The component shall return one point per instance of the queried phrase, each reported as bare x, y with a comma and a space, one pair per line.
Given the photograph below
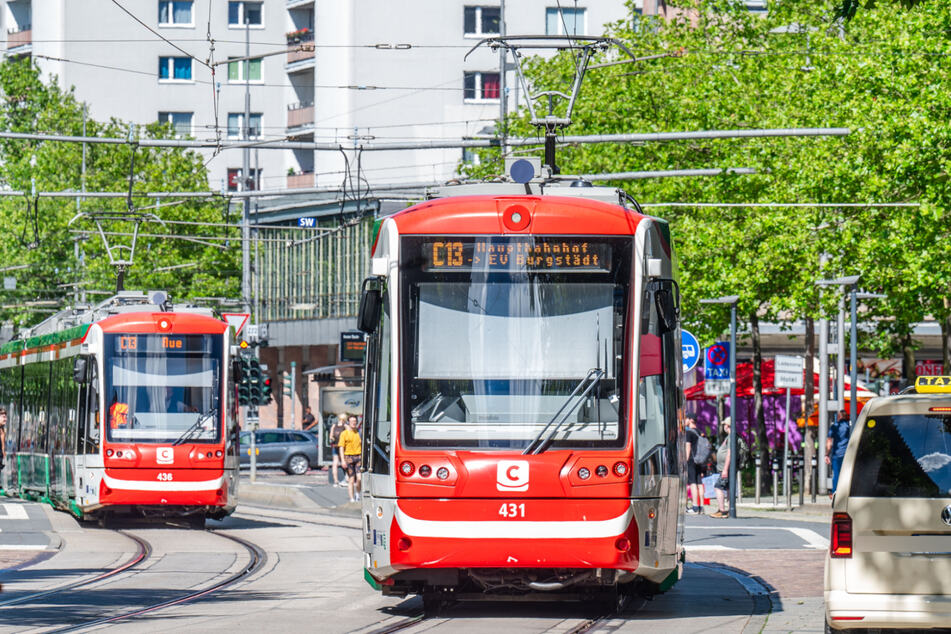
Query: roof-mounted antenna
585, 46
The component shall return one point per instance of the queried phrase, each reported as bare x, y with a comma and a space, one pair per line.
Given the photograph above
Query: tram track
257, 559
143, 552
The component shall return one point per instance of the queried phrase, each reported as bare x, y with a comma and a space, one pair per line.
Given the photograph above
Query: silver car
293, 451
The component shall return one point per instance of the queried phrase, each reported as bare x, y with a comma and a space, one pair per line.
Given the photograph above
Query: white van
889, 561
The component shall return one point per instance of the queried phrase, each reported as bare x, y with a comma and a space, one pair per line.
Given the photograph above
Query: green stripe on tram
63, 336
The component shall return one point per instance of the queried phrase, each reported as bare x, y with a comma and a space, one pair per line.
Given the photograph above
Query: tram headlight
601, 471
218, 454
620, 469
584, 473
407, 468
425, 471
109, 453
442, 473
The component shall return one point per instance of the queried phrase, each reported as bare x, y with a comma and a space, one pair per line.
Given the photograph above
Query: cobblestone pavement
795, 577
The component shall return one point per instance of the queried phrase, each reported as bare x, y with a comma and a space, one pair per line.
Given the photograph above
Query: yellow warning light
244, 344
933, 385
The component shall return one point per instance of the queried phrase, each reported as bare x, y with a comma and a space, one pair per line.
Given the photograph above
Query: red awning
744, 385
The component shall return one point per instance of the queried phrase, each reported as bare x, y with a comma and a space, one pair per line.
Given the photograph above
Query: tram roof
118, 311
550, 215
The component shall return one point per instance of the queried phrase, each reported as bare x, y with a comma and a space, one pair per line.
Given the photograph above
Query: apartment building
344, 71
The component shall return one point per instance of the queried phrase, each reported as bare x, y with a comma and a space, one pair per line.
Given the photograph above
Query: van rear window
903, 456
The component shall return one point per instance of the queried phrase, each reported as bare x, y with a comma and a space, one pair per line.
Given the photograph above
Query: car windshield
498, 338
904, 456
163, 388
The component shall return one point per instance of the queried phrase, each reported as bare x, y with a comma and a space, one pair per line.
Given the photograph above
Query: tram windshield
163, 388
512, 339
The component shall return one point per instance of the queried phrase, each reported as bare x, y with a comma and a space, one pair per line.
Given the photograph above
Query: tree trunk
763, 445
908, 360
946, 337
809, 433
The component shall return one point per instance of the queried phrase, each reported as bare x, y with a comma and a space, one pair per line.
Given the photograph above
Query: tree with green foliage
55, 259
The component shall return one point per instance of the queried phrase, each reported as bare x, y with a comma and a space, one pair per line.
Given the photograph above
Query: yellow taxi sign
933, 385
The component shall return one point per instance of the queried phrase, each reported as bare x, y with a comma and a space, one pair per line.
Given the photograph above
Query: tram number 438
165, 477
512, 510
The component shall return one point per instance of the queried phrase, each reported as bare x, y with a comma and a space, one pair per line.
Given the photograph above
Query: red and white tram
125, 409
523, 417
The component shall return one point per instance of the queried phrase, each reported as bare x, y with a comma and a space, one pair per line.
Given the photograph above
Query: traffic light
286, 382
244, 381
266, 390
255, 382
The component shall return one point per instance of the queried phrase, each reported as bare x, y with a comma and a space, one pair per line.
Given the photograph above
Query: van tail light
841, 544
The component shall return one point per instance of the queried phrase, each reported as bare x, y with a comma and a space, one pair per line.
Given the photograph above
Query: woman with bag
723, 469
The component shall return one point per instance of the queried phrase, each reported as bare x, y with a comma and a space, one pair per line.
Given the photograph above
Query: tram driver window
657, 388
92, 412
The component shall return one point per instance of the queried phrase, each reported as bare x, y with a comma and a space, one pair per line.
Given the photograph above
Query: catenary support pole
733, 411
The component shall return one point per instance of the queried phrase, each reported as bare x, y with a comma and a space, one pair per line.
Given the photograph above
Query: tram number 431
512, 510
165, 477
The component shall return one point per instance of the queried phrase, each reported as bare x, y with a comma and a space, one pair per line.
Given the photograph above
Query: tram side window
91, 417
10, 384
377, 452
35, 407
656, 432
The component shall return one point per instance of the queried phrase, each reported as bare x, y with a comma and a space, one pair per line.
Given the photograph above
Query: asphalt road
750, 574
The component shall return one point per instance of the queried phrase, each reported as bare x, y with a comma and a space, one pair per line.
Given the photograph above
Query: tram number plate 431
165, 477
512, 510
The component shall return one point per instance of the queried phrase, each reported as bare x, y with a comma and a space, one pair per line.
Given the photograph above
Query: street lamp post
731, 300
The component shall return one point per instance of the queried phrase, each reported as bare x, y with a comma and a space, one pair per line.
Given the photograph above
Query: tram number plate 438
512, 510
165, 477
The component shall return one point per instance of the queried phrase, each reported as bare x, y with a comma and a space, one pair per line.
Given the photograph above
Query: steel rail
143, 551
257, 560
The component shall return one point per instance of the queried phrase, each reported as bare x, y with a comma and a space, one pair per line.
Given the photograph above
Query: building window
245, 70
234, 180
241, 13
481, 86
481, 20
236, 125
175, 68
180, 121
177, 13
560, 21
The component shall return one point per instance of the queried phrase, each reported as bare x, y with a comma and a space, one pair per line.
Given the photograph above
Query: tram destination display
535, 254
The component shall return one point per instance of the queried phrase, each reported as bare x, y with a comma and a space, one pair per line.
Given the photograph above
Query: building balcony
299, 181
300, 115
16, 39
300, 46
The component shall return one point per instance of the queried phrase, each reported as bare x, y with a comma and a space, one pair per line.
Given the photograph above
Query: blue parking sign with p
716, 361
691, 350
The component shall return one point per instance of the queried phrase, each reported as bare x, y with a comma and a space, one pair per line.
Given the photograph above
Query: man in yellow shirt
350, 450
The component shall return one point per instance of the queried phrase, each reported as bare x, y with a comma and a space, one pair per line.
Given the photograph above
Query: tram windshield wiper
574, 400
197, 425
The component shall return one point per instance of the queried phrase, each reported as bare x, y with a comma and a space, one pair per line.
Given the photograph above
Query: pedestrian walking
308, 421
696, 458
837, 442
350, 452
340, 424
3, 436
722, 487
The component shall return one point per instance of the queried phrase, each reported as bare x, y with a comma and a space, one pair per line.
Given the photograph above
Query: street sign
716, 387
237, 320
787, 371
307, 222
353, 345
691, 350
716, 362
